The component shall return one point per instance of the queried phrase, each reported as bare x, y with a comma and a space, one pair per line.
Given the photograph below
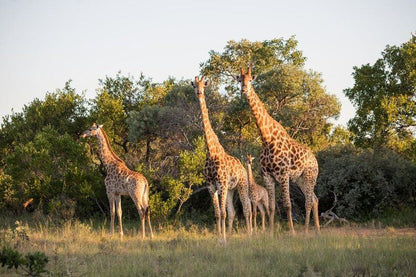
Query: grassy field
84, 249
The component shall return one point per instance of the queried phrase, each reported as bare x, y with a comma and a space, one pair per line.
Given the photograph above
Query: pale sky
45, 43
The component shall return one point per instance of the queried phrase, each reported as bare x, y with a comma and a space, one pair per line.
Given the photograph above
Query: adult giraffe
223, 173
283, 159
120, 180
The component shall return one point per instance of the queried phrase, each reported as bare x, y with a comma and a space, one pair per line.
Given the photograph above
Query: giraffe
223, 173
258, 195
283, 159
120, 180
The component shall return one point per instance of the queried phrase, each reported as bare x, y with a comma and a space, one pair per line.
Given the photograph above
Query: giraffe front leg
223, 206
119, 215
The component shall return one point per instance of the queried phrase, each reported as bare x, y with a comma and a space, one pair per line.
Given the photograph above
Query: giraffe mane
110, 148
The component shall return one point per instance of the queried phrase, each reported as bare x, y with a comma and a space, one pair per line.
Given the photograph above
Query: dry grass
85, 249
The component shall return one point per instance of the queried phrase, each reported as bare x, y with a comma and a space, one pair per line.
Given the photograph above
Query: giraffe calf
258, 196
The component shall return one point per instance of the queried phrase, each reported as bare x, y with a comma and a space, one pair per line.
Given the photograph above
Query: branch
330, 215
199, 190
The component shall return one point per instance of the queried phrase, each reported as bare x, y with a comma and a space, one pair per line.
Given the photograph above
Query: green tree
384, 95
64, 110
41, 157
263, 55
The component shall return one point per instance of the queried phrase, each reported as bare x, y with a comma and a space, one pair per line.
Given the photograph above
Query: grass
76, 248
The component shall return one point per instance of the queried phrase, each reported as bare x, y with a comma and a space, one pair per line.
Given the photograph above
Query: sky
44, 43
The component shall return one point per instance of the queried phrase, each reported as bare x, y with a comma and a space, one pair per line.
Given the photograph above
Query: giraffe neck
250, 177
213, 144
268, 126
107, 155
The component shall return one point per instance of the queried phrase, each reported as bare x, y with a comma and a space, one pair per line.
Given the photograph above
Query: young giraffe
223, 173
283, 158
120, 180
258, 195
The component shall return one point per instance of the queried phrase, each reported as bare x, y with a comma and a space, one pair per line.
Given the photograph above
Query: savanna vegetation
367, 169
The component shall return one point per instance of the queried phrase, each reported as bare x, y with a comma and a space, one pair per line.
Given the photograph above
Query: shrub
366, 182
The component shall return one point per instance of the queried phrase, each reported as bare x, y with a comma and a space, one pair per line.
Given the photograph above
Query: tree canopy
384, 95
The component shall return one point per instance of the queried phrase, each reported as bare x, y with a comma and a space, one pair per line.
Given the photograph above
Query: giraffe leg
141, 210
246, 202
308, 208
255, 205
112, 213
263, 216
307, 183
143, 219
223, 205
315, 212
214, 195
230, 211
148, 221
284, 183
119, 214
270, 186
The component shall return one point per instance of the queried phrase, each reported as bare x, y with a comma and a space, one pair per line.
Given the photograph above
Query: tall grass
76, 248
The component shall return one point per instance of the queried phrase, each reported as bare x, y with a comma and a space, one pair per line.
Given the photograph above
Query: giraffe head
245, 79
199, 86
92, 131
249, 159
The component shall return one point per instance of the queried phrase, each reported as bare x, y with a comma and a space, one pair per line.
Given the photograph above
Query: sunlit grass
76, 248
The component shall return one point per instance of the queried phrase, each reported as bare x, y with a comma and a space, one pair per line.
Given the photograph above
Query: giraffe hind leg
112, 213
230, 210
263, 216
315, 212
147, 214
271, 191
119, 214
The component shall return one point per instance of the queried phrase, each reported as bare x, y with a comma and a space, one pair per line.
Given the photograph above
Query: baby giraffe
120, 180
258, 195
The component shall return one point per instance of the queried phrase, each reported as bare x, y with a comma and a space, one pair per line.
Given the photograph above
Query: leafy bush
33, 264
366, 182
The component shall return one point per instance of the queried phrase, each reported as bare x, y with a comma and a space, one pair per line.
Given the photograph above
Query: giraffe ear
237, 78
100, 126
192, 84
207, 83
253, 77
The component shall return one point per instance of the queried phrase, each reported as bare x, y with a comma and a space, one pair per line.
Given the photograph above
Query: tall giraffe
120, 180
258, 195
223, 173
283, 158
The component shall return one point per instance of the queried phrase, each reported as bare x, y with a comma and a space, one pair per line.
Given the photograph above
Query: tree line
156, 128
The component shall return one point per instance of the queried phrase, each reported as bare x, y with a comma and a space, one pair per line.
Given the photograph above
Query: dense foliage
156, 128
385, 97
